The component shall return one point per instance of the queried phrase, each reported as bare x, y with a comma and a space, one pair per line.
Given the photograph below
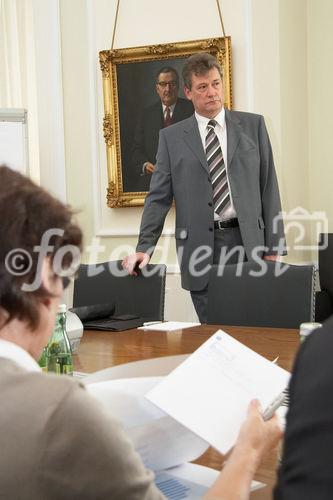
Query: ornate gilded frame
109, 62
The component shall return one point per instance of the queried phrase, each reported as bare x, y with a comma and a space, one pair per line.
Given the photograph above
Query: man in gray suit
218, 167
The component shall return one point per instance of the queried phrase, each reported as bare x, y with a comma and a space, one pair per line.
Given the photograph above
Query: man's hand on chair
134, 262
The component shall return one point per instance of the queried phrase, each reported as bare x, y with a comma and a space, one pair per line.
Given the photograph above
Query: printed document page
161, 441
210, 392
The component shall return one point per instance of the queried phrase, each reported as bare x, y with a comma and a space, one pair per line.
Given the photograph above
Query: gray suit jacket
182, 174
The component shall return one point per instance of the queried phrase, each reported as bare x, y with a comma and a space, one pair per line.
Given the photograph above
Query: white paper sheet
209, 393
168, 326
161, 441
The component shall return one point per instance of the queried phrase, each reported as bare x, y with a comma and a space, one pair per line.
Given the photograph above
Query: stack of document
150, 428
210, 391
202, 402
151, 431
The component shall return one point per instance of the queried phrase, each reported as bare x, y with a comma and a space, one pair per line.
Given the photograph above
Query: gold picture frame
126, 89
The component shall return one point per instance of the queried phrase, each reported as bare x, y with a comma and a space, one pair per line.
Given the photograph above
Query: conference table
100, 350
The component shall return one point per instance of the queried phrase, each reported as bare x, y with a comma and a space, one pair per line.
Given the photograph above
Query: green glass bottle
43, 361
58, 351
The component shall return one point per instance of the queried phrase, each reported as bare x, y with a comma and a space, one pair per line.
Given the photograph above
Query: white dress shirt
164, 107
221, 132
14, 352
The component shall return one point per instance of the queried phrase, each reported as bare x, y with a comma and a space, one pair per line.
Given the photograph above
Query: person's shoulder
64, 398
243, 115
34, 390
54, 387
321, 340
316, 351
178, 127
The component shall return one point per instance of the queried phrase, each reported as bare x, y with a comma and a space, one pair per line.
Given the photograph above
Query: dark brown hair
199, 64
27, 212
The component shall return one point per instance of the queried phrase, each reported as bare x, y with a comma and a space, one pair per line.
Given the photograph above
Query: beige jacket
57, 443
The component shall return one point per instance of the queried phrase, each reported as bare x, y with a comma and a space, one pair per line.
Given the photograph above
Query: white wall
294, 120
320, 103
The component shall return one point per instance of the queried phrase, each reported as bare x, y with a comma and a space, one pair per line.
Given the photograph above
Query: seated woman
55, 441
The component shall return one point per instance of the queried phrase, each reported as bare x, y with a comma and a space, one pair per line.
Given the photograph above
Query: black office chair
324, 297
274, 300
141, 295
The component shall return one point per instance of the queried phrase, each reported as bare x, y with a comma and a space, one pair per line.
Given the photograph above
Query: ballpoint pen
149, 323
274, 405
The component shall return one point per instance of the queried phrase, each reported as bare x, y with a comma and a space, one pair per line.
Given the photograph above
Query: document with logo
210, 391
150, 429
164, 444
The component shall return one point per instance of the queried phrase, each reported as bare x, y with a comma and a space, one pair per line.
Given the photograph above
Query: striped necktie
167, 117
218, 175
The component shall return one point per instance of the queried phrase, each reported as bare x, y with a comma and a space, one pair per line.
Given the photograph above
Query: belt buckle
219, 224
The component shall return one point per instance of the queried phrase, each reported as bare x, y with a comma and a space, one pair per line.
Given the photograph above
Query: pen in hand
273, 406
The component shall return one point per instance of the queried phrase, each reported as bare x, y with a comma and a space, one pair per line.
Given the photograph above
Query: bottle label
58, 352
67, 370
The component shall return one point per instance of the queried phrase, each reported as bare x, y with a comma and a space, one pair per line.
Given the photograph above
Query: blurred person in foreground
56, 441
307, 461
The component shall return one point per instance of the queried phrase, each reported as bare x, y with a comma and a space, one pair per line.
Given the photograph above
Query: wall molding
93, 104
249, 55
49, 90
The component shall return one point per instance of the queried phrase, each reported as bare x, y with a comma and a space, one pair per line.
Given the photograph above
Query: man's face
206, 93
167, 88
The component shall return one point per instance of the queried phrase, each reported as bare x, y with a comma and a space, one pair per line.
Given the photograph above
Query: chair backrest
141, 295
324, 297
325, 262
281, 297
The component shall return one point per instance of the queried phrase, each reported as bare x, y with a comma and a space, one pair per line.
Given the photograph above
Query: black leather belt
225, 224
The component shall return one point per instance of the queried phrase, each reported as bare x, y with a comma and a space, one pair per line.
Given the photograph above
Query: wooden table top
99, 350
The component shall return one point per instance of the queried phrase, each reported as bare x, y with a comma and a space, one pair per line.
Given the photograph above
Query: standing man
218, 167
167, 110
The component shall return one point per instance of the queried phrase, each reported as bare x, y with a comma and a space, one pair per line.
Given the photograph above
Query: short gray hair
199, 64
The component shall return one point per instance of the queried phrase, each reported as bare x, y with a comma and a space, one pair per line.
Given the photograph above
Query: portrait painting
143, 92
